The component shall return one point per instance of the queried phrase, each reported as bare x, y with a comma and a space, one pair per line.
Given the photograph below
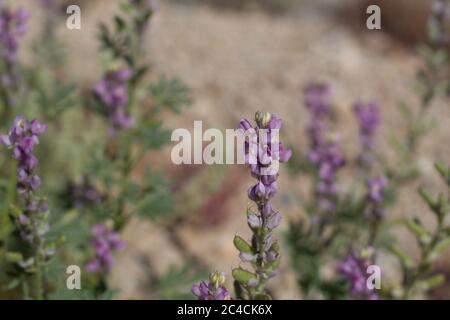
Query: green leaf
13, 256
138, 75
120, 23
150, 134
432, 282
415, 227
155, 195
428, 198
242, 245
5, 223
405, 260
439, 249
243, 275
272, 266
443, 171
176, 282
170, 93
13, 284
275, 247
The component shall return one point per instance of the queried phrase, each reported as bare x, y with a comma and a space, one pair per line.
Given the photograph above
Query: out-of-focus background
243, 56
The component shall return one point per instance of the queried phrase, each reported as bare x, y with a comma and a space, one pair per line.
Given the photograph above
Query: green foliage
170, 93
77, 146
175, 284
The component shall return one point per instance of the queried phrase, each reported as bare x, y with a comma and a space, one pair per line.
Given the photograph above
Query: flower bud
262, 118
217, 279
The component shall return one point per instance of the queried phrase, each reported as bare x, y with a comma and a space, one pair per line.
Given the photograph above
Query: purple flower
318, 102
213, 289
13, 24
264, 152
375, 197
104, 241
376, 188
112, 93
84, 193
269, 151
369, 121
324, 153
329, 161
441, 8
353, 268
21, 139
318, 99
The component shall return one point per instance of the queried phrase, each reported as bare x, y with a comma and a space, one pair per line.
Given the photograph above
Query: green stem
423, 265
25, 290
38, 277
9, 200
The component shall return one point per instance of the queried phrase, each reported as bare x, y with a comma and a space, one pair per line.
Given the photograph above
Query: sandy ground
237, 63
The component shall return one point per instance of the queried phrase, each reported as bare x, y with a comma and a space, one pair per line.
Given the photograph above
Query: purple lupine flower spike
83, 193
318, 102
354, 268
375, 197
104, 241
13, 24
369, 121
112, 92
21, 139
213, 289
329, 161
264, 152
325, 153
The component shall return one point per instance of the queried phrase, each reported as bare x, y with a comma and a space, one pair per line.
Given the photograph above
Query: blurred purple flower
369, 121
13, 24
318, 102
213, 289
84, 193
353, 268
324, 153
21, 139
329, 161
375, 197
104, 241
112, 92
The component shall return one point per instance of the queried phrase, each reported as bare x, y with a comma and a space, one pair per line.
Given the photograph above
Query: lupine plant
13, 25
83, 173
352, 230
25, 244
432, 82
120, 98
418, 275
95, 198
264, 152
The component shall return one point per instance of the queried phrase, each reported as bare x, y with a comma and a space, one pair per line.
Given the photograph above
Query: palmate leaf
156, 199
62, 97
150, 135
170, 93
